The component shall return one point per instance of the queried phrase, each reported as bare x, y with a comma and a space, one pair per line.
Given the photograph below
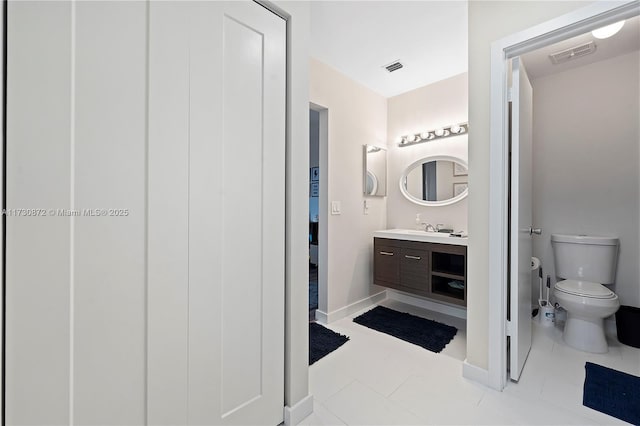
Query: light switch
335, 207
366, 206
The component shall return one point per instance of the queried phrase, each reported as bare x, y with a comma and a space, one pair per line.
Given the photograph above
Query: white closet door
216, 213
76, 284
236, 214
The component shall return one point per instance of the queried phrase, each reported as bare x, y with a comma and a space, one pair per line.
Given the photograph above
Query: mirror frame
366, 172
415, 200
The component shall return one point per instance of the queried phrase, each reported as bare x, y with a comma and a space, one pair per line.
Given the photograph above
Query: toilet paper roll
535, 263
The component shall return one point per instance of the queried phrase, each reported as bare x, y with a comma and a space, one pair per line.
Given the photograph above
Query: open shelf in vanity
430, 269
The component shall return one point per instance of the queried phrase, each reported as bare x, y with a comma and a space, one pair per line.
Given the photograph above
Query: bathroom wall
585, 160
426, 108
356, 116
486, 26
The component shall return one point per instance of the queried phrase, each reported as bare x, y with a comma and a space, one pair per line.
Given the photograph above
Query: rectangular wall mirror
375, 171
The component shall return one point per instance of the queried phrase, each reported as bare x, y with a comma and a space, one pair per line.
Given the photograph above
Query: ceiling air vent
394, 66
572, 53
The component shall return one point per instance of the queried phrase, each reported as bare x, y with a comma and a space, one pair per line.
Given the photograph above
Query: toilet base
585, 334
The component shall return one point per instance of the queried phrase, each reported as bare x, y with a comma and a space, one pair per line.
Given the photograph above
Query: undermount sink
426, 236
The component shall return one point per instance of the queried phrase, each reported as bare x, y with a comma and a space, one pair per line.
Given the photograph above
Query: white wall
489, 21
426, 108
296, 369
356, 116
585, 159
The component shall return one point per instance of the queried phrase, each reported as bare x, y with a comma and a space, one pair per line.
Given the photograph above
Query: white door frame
563, 27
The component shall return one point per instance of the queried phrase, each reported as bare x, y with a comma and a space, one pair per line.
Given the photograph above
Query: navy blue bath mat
612, 392
423, 332
323, 341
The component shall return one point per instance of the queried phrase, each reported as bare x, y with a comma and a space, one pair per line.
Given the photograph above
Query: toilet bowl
585, 264
587, 305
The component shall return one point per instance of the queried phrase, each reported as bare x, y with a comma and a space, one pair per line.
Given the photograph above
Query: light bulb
399, 140
439, 132
411, 138
425, 135
608, 31
456, 129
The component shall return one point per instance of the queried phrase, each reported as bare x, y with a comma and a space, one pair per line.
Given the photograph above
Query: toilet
586, 265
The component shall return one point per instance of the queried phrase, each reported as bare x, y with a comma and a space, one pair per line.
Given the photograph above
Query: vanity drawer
386, 263
414, 269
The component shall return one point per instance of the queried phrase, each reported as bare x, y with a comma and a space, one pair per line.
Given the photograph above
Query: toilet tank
585, 257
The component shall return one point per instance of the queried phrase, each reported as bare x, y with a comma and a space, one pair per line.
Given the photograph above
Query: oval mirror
435, 181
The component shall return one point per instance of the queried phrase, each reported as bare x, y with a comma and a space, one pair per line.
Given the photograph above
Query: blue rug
423, 332
612, 392
323, 341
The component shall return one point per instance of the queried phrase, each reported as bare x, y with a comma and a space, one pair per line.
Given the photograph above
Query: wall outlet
335, 207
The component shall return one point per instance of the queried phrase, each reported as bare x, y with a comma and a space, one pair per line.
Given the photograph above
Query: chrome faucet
428, 227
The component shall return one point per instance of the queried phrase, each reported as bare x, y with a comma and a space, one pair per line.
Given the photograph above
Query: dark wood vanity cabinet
433, 270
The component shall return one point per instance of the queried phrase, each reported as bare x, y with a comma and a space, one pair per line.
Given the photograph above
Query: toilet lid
584, 289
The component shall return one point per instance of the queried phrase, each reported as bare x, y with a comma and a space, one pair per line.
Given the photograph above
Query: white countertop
424, 236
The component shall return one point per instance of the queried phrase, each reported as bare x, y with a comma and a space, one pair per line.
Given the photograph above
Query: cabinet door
386, 265
414, 269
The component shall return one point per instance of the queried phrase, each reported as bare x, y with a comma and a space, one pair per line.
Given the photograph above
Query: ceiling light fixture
443, 132
608, 31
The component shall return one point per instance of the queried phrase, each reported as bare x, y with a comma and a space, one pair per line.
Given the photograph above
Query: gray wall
586, 161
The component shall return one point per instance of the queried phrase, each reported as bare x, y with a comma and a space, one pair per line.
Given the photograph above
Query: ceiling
358, 38
627, 40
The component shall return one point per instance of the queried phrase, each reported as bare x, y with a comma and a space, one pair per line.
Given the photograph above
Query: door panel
236, 208
76, 281
521, 218
37, 248
168, 218
109, 251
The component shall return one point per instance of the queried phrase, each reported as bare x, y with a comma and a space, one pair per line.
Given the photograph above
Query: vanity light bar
443, 132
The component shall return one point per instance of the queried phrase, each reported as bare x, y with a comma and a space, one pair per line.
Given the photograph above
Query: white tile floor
375, 379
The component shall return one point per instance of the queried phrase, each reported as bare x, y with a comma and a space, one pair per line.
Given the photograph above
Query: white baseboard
299, 412
430, 305
321, 316
474, 373
338, 314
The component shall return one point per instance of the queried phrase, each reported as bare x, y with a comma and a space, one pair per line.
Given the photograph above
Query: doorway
314, 193
502, 51
318, 155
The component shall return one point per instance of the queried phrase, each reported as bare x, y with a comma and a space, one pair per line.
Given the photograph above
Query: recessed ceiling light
608, 31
